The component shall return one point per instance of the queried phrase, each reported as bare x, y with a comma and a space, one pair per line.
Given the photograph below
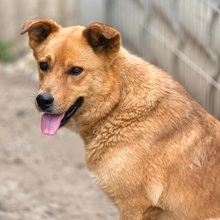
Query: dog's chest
120, 169
115, 170
121, 175
122, 178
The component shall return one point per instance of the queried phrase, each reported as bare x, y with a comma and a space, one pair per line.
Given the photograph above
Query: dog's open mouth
50, 123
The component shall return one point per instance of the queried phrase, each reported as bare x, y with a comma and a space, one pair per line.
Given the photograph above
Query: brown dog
152, 148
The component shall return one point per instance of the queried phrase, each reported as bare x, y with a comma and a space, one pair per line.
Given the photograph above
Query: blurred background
45, 177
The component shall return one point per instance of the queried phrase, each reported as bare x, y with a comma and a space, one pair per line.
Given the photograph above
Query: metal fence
180, 36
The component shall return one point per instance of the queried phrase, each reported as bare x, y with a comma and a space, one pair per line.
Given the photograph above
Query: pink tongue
50, 123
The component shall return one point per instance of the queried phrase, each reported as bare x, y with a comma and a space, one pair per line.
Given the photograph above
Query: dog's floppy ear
103, 39
39, 30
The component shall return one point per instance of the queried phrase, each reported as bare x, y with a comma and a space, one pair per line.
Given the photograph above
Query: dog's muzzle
50, 122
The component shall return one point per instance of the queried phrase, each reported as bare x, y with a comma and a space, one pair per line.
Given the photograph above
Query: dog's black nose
44, 101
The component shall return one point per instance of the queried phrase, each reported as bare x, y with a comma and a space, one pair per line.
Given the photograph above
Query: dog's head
76, 70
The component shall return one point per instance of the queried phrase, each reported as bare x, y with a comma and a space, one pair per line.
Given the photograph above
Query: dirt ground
41, 178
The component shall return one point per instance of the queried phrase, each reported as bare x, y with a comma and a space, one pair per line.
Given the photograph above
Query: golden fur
152, 148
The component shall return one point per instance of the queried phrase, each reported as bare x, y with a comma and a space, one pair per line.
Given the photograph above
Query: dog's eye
43, 66
75, 70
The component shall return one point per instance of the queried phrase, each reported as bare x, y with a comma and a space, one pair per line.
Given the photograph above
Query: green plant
7, 51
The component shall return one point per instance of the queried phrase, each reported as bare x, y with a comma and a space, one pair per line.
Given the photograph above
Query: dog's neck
124, 96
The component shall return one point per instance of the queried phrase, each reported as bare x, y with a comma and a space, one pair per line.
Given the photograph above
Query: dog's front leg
135, 210
139, 213
152, 213
137, 216
131, 215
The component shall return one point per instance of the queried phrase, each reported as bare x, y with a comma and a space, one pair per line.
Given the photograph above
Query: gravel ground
41, 177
